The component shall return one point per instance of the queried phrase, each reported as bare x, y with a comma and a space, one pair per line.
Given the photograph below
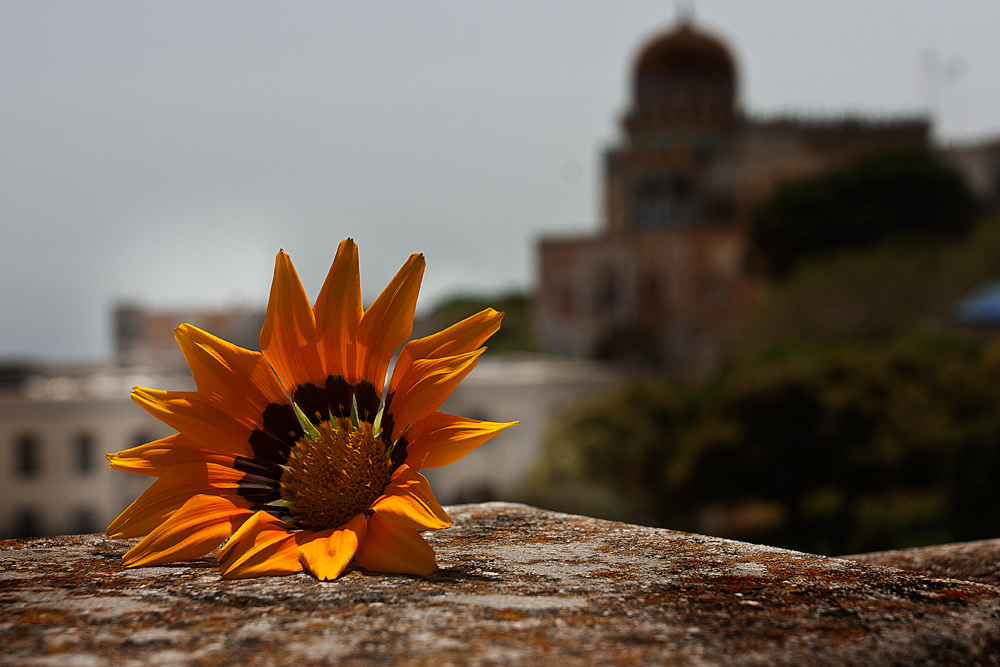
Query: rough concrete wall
516, 586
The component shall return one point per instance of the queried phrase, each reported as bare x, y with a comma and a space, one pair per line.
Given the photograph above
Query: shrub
835, 449
894, 197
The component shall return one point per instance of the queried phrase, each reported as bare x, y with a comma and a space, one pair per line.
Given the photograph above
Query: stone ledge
517, 586
969, 561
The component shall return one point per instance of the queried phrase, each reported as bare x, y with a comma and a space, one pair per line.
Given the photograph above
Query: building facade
56, 425
529, 389
663, 281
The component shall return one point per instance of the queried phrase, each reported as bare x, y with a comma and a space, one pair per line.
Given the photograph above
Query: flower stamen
331, 479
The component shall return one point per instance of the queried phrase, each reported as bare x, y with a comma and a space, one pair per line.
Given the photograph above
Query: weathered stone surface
517, 586
971, 561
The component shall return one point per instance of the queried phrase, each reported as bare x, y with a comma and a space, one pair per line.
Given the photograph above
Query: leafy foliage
876, 294
894, 197
621, 443
838, 449
515, 334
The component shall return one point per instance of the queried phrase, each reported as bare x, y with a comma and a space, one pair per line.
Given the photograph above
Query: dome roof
685, 53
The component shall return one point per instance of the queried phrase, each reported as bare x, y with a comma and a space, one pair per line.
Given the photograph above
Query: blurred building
56, 425
663, 281
530, 389
144, 337
979, 163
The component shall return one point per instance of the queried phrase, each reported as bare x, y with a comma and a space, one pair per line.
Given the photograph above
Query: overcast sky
162, 152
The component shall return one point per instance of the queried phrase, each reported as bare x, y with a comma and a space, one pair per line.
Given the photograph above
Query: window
27, 523
142, 438
27, 455
664, 201
83, 521
606, 292
651, 296
83, 453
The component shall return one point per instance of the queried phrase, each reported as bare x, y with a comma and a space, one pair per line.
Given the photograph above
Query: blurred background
749, 256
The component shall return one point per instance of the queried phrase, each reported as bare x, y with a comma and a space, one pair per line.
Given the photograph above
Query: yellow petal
460, 338
409, 502
327, 553
441, 439
388, 323
338, 312
154, 458
199, 526
238, 381
424, 387
263, 546
199, 420
395, 549
167, 494
288, 338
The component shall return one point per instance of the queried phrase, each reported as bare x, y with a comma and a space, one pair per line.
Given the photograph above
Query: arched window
27, 455
664, 201
83, 453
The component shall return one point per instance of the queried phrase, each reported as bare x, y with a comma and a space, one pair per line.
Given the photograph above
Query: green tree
893, 197
515, 334
875, 294
833, 449
606, 456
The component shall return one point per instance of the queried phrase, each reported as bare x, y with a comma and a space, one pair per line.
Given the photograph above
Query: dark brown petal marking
398, 453
389, 436
261, 482
337, 397
388, 422
368, 401
280, 431
340, 395
317, 403
312, 400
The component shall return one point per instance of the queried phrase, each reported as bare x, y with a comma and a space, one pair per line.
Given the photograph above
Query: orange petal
395, 549
338, 312
326, 554
240, 382
424, 386
167, 494
154, 458
199, 526
409, 502
288, 338
262, 546
201, 421
441, 439
459, 338
388, 323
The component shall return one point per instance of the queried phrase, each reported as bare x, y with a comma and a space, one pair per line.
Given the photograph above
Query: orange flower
291, 452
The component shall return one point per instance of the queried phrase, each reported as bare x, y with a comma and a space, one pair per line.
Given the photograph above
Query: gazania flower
291, 452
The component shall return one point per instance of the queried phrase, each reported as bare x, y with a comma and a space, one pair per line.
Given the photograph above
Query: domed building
680, 131
663, 283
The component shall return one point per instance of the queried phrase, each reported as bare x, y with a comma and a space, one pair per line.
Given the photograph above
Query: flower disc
334, 474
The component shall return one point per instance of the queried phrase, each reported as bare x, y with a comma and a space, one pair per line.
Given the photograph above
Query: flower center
334, 472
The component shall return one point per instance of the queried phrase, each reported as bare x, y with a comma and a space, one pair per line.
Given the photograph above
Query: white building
55, 428
529, 389
57, 425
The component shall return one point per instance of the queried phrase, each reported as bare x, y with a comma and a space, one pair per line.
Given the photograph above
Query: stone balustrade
516, 586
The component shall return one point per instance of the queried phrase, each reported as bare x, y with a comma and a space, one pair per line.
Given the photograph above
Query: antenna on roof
685, 11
